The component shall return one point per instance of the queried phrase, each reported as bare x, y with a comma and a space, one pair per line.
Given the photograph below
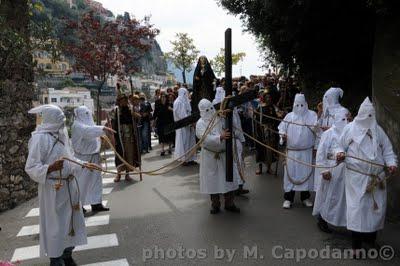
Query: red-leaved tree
102, 49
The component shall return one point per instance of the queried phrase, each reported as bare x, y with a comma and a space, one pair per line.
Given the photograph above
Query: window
53, 100
46, 100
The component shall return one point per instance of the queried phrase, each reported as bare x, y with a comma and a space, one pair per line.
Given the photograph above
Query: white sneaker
287, 204
308, 203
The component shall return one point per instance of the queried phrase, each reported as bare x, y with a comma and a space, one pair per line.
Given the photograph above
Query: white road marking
100, 241
26, 253
108, 180
89, 221
35, 211
107, 190
121, 262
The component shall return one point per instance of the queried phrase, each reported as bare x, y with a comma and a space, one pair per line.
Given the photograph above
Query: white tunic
184, 137
212, 169
330, 200
300, 144
55, 206
361, 215
86, 144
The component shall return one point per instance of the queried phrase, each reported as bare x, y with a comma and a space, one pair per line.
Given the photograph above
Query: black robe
203, 86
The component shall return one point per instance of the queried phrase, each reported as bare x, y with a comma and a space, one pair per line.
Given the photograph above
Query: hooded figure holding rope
212, 159
365, 184
62, 225
297, 129
330, 200
86, 143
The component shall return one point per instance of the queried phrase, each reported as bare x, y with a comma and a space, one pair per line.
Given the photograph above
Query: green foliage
68, 83
218, 62
328, 41
184, 53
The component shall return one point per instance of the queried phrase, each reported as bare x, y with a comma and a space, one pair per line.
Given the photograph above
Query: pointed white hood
207, 110
365, 125
331, 99
300, 106
84, 115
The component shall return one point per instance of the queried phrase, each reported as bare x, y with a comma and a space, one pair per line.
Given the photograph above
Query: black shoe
242, 191
150, 148
70, 262
84, 210
169, 152
215, 210
162, 153
232, 208
323, 226
192, 163
99, 208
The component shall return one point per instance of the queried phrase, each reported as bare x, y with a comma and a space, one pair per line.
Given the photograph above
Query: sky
203, 20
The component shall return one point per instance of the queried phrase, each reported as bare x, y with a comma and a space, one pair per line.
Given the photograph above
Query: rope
277, 132
154, 172
284, 121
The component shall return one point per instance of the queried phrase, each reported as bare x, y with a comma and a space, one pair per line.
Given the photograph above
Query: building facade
67, 97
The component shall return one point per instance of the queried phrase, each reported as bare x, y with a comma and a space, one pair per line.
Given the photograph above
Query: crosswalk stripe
107, 190
89, 221
100, 241
108, 180
35, 211
121, 262
94, 242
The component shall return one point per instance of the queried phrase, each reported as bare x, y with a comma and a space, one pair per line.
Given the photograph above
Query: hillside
56, 11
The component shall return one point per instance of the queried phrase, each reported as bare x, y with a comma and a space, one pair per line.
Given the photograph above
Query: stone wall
15, 128
386, 93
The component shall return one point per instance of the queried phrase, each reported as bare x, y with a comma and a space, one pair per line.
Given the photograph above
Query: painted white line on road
122, 262
107, 190
100, 241
29, 230
26, 253
89, 221
108, 180
35, 211
97, 220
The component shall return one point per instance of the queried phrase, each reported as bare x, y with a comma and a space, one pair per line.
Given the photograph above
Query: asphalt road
164, 220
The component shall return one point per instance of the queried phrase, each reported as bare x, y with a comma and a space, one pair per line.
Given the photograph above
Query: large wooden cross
232, 103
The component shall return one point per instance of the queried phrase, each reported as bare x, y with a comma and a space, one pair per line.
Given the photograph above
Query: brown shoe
117, 178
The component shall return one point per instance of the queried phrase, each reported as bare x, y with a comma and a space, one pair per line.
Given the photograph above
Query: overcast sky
203, 20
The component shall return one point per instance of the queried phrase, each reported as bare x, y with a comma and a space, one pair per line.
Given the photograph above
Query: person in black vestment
163, 113
263, 126
126, 137
203, 82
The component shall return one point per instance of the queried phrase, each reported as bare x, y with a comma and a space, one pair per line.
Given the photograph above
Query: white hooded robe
330, 199
212, 155
55, 206
300, 145
364, 138
184, 137
86, 144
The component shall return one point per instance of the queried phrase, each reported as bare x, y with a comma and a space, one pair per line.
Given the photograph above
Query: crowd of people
345, 161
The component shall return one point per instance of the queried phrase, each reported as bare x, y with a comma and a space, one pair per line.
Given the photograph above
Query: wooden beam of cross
228, 91
232, 103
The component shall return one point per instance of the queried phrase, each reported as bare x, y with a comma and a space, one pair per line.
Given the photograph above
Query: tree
184, 53
104, 48
218, 62
323, 42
